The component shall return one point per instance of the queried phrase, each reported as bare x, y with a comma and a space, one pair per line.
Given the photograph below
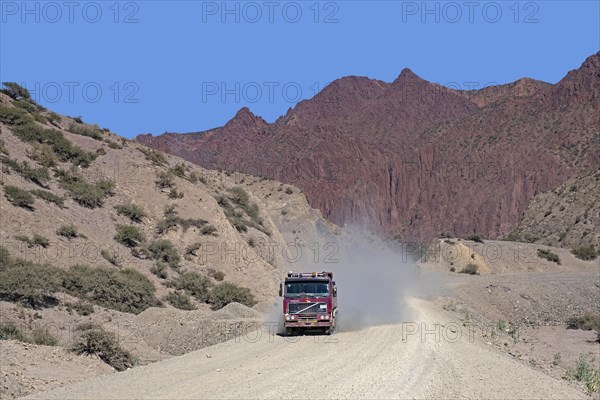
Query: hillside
101, 234
412, 158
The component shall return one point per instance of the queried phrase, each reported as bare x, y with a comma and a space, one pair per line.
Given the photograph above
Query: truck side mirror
280, 290
335, 291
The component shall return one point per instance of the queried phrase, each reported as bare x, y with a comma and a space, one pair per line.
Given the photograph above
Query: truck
309, 302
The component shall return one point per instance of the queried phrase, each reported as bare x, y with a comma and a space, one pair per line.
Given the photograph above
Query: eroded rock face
414, 158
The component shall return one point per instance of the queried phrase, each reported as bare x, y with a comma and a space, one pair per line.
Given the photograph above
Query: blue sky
180, 66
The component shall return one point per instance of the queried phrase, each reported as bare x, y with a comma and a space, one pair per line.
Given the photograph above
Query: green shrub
218, 275
18, 197
30, 283
164, 180
3, 149
586, 322
16, 91
62, 147
100, 151
178, 170
192, 249
475, 238
470, 269
14, 116
195, 222
103, 344
84, 130
123, 290
84, 193
35, 241
586, 372
175, 194
236, 205
39, 176
163, 250
113, 145
81, 307
68, 231
160, 270
43, 154
193, 283
129, 235
132, 211
180, 300
548, 255
43, 337
111, 257
208, 230
49, 197
31, 108
156, 157
10, 330
289, 190
585, 253
53, 118
225, 293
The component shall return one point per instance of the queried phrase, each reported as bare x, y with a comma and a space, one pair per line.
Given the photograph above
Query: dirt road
388, 361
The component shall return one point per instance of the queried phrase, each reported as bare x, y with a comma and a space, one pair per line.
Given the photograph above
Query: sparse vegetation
236, 205
160, 270
18, 197
517, 236
218, 275
154, 156
86, 194
586, 373
586, 322
35, 241
84, 130
134, 212
10, 330
175, 194
192, 249
289, 190
111, 257
43, 337
180, 300
475, 238
586, 253
103, 344
39, 176
68, 231
163, 250
225, 293
16, 91
43, 154
548, 255
470, 269
123, 290
164, 180
208, 230
81, 307
194, 284
49, 197
129, 235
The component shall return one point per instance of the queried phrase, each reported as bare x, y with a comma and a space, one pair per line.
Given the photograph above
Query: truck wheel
289, 331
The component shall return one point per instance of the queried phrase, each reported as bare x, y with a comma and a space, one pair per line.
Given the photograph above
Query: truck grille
307, 308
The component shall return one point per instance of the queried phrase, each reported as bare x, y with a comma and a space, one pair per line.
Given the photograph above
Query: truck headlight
287, 317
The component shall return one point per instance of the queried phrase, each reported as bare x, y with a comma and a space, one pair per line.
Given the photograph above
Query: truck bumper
307, 324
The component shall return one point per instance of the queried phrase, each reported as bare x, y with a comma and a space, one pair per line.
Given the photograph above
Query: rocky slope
414, 158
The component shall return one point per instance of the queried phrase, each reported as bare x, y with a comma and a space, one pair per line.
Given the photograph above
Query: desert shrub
39, 176
14, 116
208, 230
129, 235
195, 222
84, 130
289, 190
470, 269
105, 345
586, 373
218, 275
30, 283
30, 107
178, 170
164, 180
175, 194
452, 269
163, 250
193, 283
42, 336
132, 211
548, 255
43, 154
194, 177
86, 194
61, 146
586, 322
10, 330
3, 149
475, 237
154, 156
81, 307
68, 231
111, 257
180, 300
585, 253
160, 270
192, 249
225, 293
123, 290
100, 151
49, 197
236, 205
16, 91
18, 197
35, 241
53, 118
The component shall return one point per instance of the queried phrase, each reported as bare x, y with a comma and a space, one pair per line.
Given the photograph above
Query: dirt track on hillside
377, 362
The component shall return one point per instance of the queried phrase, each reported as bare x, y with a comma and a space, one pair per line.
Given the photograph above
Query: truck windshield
306, 288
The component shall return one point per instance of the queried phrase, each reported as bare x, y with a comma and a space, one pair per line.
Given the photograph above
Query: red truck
309, 302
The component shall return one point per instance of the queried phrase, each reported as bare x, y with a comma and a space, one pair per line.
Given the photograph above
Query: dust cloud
373, 279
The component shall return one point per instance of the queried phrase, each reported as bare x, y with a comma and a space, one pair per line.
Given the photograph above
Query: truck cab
309, 302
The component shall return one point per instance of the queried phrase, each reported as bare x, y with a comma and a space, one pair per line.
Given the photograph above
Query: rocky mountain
413, 158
